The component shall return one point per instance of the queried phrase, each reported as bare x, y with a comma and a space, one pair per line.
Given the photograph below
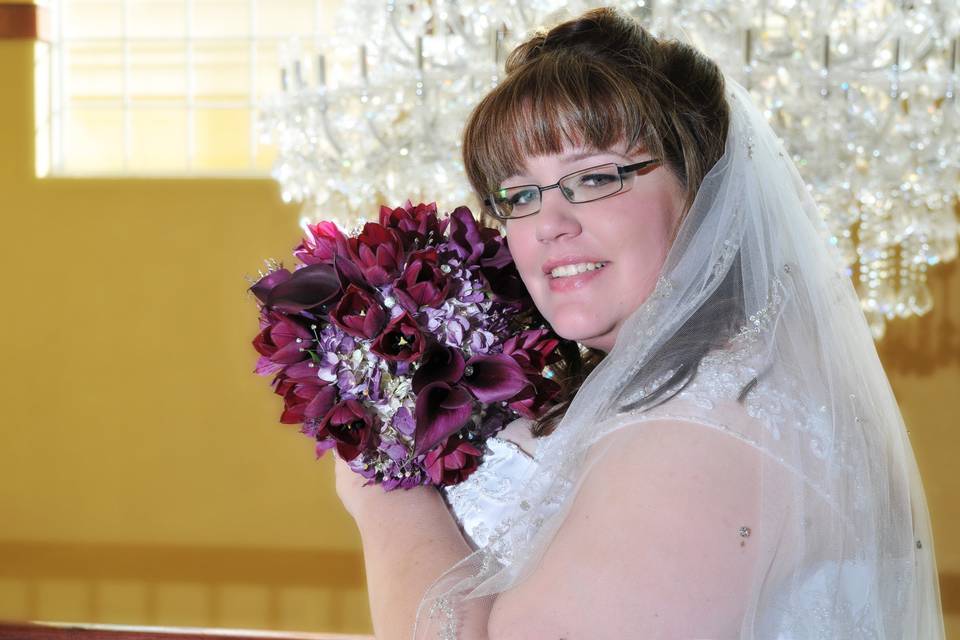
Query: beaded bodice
486, 504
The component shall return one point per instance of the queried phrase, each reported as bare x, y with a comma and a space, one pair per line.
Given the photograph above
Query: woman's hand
369, 505
350, 489
409, 538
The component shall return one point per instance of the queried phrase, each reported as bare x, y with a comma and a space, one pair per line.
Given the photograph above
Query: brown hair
595, 81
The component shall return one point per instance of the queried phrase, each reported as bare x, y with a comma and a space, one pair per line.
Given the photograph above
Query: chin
590, 336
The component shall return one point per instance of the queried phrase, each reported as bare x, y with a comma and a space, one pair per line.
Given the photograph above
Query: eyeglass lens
590, 184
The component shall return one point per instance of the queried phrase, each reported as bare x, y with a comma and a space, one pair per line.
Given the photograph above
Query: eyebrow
580, 156
587, 154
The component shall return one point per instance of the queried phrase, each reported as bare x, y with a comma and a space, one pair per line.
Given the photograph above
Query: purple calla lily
496, 253
438, 364
441, 410
306, 289
506, 285
493, 378
263, 286
465, 236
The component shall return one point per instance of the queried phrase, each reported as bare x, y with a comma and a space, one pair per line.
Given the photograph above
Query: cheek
642, 241
523, 249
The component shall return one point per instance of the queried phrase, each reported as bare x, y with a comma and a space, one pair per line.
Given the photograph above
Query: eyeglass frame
621, 170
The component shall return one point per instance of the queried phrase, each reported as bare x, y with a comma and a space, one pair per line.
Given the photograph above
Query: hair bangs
546, 106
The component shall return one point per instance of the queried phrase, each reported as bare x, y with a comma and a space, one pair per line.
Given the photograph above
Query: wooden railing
142, 572
79, 631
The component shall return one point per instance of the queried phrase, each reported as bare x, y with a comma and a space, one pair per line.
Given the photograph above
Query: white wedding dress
487, 502
488, 509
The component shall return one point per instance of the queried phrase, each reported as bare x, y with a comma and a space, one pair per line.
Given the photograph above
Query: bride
729, 461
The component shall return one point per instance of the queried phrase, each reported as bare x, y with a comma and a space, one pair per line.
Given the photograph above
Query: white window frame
52, 115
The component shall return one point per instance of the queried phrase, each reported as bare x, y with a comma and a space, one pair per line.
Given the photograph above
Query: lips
574, 283
550, 265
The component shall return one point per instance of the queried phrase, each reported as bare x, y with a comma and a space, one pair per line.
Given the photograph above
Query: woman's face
629, 233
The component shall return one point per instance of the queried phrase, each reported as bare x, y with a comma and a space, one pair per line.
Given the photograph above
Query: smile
569, 270
578, 278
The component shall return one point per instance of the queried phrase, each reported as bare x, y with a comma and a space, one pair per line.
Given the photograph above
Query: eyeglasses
585, 185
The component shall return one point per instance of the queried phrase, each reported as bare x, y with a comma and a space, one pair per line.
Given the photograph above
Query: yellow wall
144, 477
922, 359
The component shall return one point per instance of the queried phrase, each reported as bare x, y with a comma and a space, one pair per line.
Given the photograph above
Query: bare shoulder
651, 546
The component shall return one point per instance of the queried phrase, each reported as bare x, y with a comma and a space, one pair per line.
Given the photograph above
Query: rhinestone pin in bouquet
404, 345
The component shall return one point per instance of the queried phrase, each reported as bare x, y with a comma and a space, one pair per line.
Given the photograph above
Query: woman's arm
651, 546
409, 538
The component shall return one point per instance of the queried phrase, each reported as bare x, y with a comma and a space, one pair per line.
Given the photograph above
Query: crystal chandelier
862, 93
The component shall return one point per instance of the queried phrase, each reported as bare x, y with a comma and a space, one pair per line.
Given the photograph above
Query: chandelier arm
524, 19
929, 46
327, 130
411, 49
888, 36
463, 33
374, 132
371, 125
397, 32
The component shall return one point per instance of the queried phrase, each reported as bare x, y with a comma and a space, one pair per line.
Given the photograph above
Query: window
164, 87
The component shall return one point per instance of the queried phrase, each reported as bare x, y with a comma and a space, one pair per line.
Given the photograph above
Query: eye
596, 179
522, 197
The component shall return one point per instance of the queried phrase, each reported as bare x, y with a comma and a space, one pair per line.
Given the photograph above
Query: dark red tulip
324, 242
349, 424
414, 225
452, 462
401, 340
359, 313
422, 282
531, 349
378, 253
278, 341
536, 398
303, 398
349, 273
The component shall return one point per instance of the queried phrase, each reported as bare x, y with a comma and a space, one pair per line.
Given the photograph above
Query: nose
556, 218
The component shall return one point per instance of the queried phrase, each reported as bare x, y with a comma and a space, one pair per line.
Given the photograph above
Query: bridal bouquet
405, 345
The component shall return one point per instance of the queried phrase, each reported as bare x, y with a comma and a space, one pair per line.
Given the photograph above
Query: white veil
846, 538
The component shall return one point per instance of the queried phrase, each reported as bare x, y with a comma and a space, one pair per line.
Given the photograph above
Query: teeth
575, 269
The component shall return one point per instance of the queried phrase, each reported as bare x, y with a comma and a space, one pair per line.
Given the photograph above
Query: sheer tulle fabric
843, 537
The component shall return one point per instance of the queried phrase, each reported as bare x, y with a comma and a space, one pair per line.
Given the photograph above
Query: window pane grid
154, 87
126, 86
191, 88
